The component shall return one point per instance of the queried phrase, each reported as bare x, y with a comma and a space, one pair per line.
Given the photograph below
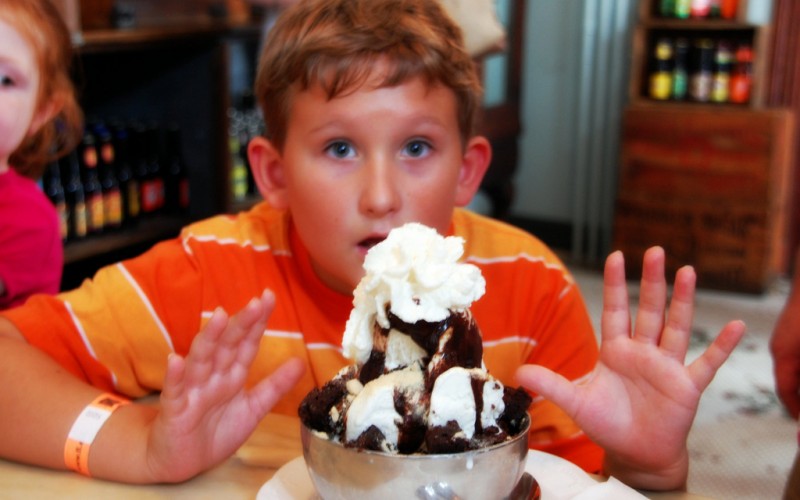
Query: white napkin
560, 479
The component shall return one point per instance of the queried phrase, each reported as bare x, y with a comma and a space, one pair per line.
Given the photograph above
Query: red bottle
729, 9
742, 76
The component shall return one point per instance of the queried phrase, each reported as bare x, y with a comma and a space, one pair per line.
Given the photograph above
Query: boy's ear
266, 163
477, 157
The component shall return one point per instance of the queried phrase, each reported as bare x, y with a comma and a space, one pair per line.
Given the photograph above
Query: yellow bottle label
720, 88
133, 199
96, 212
81, 220
112, 206
660, 85
63, 219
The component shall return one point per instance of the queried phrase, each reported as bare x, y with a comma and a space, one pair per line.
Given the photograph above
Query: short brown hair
40, 23
336, 43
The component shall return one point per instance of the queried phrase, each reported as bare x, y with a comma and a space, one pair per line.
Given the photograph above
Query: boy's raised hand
641, 400
206, 412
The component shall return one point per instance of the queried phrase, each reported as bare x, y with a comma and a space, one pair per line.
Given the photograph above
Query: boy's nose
379, 194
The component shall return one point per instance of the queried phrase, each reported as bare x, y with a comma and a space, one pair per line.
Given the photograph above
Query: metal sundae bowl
349, 473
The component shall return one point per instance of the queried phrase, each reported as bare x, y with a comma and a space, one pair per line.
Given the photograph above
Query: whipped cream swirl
416, 271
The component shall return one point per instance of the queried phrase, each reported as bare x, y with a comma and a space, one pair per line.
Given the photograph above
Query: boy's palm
641, 399
206, 412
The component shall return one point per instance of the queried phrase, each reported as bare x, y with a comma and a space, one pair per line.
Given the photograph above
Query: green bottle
680, 72
667, 8
683, 8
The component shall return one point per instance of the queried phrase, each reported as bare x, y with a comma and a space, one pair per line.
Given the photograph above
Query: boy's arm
204, 416
641, 401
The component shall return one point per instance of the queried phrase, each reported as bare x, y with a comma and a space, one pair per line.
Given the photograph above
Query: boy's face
355, 167
19, 86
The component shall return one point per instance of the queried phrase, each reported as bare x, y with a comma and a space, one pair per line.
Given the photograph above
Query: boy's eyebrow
418, 120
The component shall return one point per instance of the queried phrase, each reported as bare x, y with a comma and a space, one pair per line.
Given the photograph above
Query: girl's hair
40, 23
337, 43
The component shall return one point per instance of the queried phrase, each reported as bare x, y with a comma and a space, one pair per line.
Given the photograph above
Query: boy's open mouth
371, 242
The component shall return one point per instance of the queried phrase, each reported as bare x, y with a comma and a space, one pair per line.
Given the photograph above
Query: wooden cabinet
710, 186
706, 181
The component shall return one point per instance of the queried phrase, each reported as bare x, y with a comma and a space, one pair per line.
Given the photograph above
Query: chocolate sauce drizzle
464, 348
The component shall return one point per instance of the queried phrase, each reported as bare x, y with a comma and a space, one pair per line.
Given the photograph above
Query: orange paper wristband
85, 428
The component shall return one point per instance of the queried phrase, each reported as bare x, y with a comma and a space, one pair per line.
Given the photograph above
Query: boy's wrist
669, 478
85, 429
119, 452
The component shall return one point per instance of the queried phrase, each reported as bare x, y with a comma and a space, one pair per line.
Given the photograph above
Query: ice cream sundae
418, 383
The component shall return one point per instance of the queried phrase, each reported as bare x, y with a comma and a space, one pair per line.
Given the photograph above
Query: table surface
274, 443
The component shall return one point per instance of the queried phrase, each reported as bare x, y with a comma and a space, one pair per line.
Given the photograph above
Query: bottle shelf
652, 29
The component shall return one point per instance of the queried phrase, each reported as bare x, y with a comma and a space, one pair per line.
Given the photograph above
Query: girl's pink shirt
31, 250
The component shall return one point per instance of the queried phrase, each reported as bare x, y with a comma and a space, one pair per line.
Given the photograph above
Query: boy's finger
200, 359
615, 321
550, 386
247, 349
173, 382
678, 330
703, 369
652, 298
240, 339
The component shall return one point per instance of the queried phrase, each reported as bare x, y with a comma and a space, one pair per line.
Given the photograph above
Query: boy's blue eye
340, 149
6, 80
417, 148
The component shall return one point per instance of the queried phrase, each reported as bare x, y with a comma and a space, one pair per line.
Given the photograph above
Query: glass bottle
700, 9
680, 70
702, 70
742, 75
154, 171
715, 10
238, 173
91, 184
78, 213
722, 72
112, 196
176, 179
729, 9
661, 76
54, 189
138, 156
666, 8
682, 8
128, 183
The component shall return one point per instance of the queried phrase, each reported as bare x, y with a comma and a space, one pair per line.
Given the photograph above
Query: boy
370, 107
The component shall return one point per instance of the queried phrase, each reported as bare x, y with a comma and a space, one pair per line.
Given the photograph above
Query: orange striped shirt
116, 330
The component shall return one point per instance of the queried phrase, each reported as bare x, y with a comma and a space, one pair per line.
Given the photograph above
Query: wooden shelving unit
145, 231
168, 73
707, 181
651, 27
